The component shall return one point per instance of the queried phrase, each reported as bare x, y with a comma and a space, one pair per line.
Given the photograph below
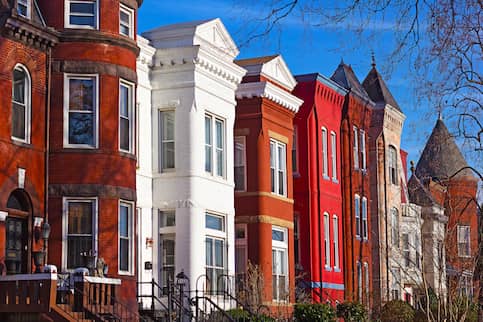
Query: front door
17, 245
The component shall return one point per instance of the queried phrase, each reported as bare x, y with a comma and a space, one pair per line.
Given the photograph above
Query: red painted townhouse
356, 118
318, 188
264, 204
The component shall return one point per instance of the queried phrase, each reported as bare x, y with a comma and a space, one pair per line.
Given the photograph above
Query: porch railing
33, 293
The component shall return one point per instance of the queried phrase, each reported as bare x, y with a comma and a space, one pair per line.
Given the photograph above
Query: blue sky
307, 50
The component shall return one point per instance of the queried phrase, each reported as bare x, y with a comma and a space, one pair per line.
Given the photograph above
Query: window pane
219, 162
208, 130
208, 165
124, 30
278, 235
124, 221
214, 222
86, 8
77, 245
22, 9
80, 218
167, 218
82, 21
19, 84
168, 125
18, 121
218, 253
219, 134
124, 17
124, 254
81, 94
124, 134
281, 186
81, 128
124, 101
209, 251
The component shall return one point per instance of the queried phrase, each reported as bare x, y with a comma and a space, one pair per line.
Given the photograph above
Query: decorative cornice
271, 92
232, 75
30, 34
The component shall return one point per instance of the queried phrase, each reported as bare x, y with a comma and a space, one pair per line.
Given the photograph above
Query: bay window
215, 145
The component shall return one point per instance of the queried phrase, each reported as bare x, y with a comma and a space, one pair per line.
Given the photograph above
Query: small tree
351, 312
397, 311
314, 312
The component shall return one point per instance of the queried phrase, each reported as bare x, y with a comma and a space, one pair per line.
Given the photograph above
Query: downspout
318, 195
47, 144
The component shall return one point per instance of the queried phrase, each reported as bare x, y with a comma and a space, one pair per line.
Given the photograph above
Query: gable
214, 33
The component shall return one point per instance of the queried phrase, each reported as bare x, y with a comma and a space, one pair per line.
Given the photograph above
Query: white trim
333, 155
130, 86
67, 77
130, 13
131, 236
364, 221
281, 246
67, 23
161, 139
27, 104
325, 154
327, 252
355, 147
65, 223
28, 6
214, 164
357, 214
362, 134
335, 241
271, 92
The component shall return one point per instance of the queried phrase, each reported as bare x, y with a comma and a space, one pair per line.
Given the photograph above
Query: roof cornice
271, 92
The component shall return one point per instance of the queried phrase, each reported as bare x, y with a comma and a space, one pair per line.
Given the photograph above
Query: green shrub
351, 312
397, 311
314, 312
240, 315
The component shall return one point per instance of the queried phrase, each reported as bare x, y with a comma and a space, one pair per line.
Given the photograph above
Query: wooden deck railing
27, 292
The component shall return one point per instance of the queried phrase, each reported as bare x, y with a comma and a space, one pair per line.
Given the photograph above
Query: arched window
393, 164
395, 227
21, 101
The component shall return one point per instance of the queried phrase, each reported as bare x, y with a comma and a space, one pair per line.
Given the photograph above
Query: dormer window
23, 8
81, 14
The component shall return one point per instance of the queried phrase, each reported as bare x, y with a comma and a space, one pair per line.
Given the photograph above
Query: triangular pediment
213, 32
273, 68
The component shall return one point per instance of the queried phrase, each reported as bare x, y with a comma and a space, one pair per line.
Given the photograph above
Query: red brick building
317, 186
92, 160
25, 43
446, 176
264, 213
356, 120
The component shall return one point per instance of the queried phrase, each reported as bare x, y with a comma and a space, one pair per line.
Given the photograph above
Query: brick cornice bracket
30, 34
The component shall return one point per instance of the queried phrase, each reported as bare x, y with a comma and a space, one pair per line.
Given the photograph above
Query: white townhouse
186, 112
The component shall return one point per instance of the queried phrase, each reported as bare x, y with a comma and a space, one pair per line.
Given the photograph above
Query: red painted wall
315, 194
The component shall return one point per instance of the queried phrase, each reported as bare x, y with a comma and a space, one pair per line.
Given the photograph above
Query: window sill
335, 181
79, 147
325, 177
81, 27
336, 270
328, 268
24, 144
124, 273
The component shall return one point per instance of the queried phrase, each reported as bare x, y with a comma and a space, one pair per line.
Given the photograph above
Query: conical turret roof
441, 157
377, 89
345, 77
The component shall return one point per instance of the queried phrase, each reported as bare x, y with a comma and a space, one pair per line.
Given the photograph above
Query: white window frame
163, 237
363, 150
67, 14
325, 155
130, 86
295, 161
95, 110
163, 140
327, 245
359, 281
366, 284
333, 155
130, 13
275, 170
280, 247
335, 228
356, 147
130, 206
27, 104
364, 225
241, 141
462, 232
65, 226
214, 149
357, 215
216, 234
28, 8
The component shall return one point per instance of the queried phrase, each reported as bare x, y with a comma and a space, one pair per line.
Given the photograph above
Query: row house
68, 170
356, 196
386, 172
185, 175
264, 198
317, 187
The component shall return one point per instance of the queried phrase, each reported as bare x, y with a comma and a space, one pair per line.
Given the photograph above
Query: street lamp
181, 281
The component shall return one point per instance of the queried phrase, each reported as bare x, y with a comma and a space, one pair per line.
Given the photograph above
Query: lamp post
181, 280
45, 237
